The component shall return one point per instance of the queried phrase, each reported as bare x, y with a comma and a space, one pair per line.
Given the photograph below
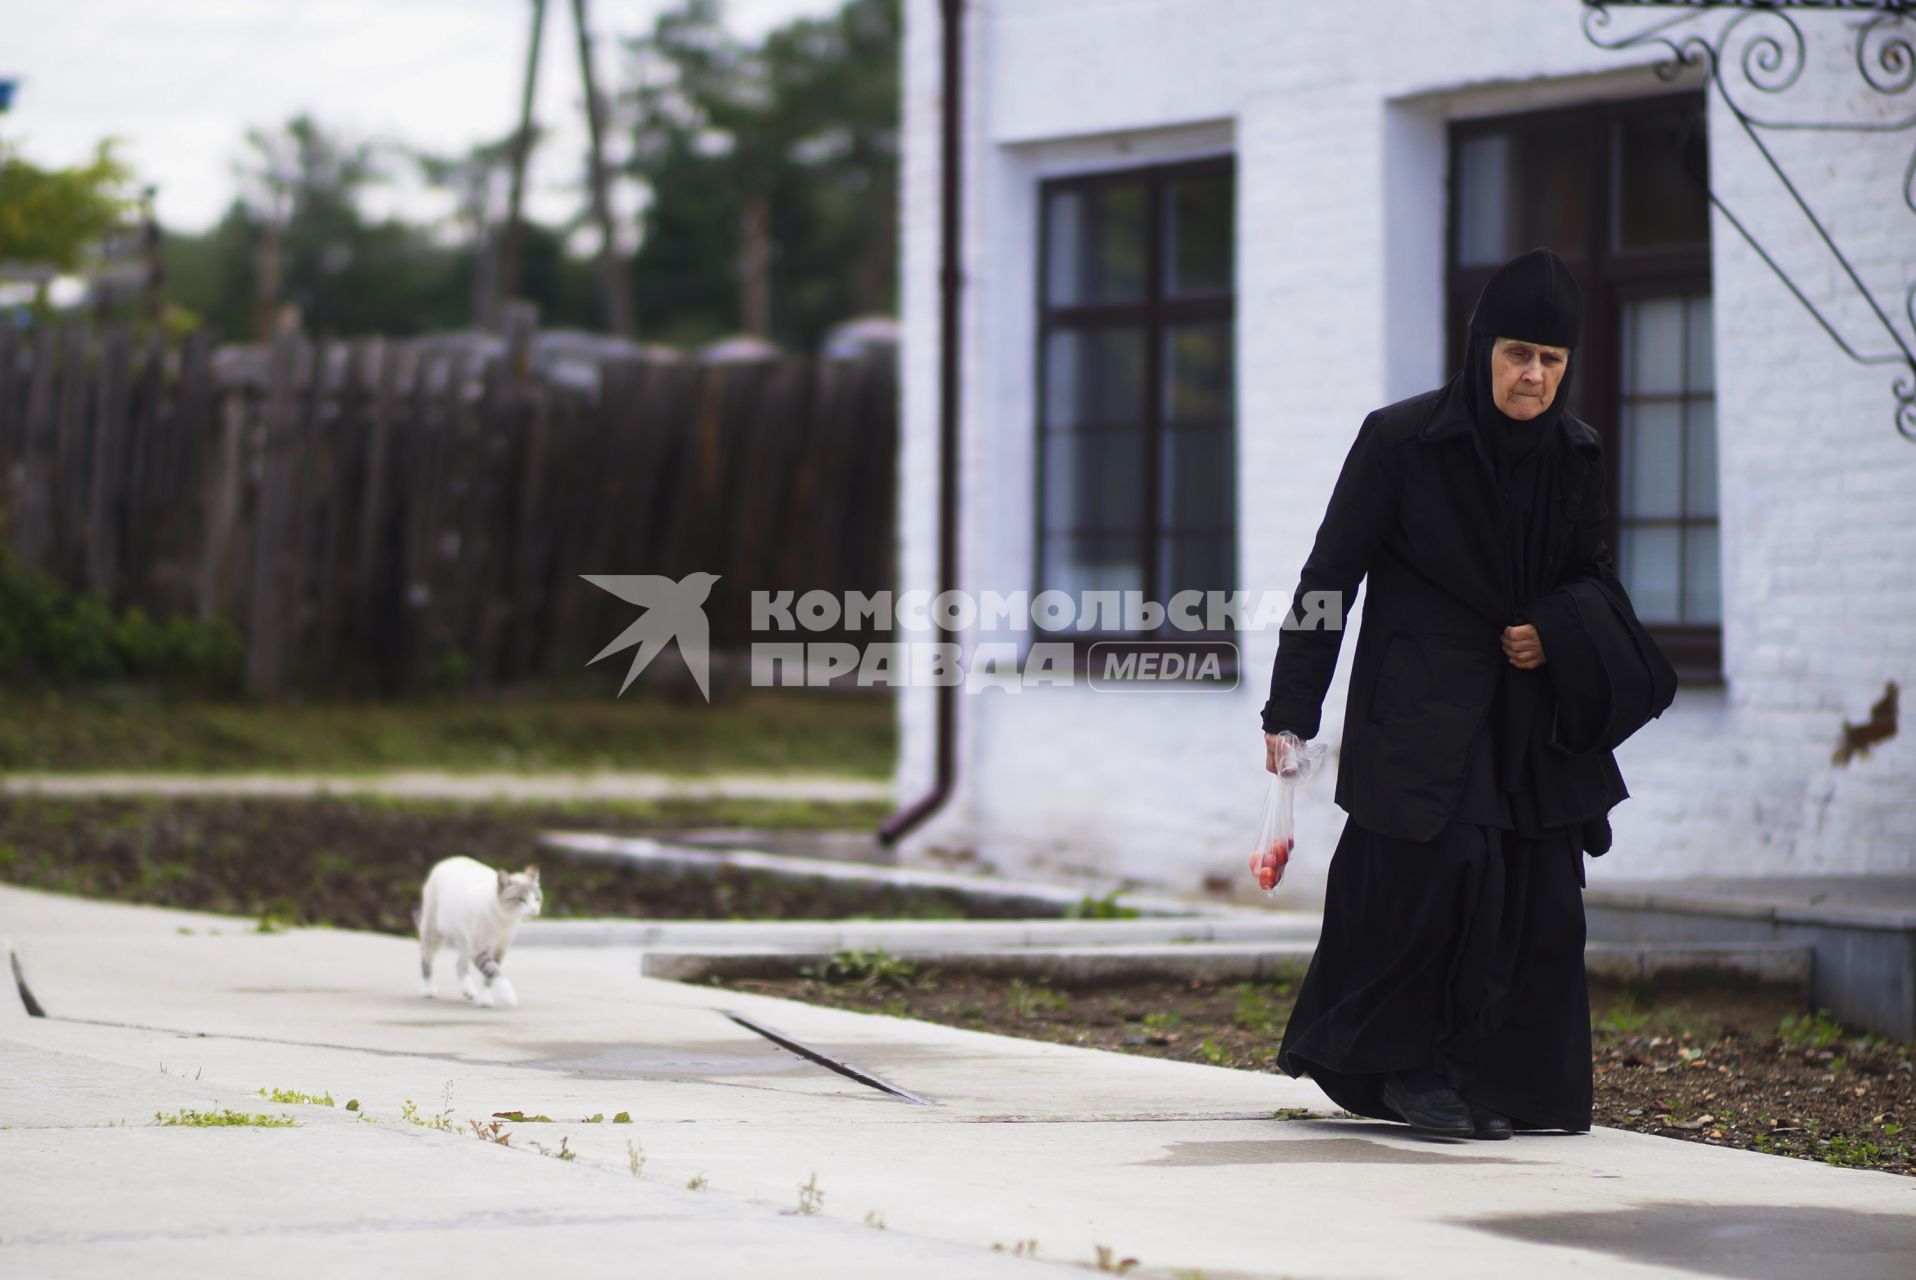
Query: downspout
950, 279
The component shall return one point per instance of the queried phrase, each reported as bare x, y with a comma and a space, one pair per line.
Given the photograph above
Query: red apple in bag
1269, 864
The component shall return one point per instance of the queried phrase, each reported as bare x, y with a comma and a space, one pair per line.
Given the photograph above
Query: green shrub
51, 636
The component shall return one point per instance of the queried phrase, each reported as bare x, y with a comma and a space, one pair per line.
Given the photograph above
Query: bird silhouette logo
673, 611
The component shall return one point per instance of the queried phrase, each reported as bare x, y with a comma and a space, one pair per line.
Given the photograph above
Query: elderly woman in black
1448, 989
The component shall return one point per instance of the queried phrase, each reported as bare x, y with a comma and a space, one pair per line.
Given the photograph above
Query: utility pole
507, 285
266, 318
755, 268
618, 294
150, 250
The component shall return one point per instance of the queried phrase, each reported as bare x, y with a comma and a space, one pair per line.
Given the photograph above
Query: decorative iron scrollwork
1764, 41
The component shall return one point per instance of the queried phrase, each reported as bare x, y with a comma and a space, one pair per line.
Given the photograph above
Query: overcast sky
181, 80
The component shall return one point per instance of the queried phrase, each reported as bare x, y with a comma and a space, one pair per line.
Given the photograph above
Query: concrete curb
1043, 898
1231, 962
915, 935
1087, 966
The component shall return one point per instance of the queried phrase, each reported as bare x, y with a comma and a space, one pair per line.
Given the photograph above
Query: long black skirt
1463, 955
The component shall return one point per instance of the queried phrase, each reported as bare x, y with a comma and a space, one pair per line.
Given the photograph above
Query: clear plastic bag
1276, 835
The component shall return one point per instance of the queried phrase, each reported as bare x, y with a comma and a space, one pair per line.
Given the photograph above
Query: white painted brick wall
1337, 125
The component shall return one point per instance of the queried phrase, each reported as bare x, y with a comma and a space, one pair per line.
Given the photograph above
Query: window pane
1197, 372
1523, 188
1483, 214
1197, 235
1647, 563
1076, 563
1197, 478
1652, 455
1702, 372
1094, 376
1657, 203
1094, 481
1699, 459
1702, 589
1653, 346
1095, 244
1193, 562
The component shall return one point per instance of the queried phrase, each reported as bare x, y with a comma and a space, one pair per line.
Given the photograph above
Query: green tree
803, 126
299, 216
55, 216
212, 274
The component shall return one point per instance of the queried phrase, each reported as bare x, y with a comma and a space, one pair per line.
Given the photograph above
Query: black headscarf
1534, 298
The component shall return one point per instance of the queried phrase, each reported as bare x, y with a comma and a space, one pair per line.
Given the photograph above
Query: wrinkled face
519, 891
1524, 376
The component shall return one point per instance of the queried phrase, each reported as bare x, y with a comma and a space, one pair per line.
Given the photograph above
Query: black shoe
1440, 1111
1490, 1124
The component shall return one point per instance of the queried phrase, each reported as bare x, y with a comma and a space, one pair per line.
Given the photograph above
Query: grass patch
865, 967
296, 1097
767, 730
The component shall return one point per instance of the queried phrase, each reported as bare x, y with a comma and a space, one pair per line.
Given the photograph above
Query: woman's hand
1276, 753
1523, 647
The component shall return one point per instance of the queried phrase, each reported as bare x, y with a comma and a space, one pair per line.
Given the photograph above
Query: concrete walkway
1001, 1141
433, 785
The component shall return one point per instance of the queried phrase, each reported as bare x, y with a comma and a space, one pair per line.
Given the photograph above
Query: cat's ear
533, 872
505, 878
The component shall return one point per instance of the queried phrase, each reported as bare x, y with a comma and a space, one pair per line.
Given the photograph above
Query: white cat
473, 909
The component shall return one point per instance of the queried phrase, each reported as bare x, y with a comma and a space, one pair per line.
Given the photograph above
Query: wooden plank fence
378, 516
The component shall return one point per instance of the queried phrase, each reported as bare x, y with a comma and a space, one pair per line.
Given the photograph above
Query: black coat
1413, 509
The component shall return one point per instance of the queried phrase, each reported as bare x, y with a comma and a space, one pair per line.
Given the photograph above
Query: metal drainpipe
950, 281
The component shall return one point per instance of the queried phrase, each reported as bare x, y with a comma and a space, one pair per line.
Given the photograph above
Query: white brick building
1368, 160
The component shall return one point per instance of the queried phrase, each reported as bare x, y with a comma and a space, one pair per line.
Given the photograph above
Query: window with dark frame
1609, 187
1137, 450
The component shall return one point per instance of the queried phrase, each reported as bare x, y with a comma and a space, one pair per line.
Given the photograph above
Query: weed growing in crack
223, 1118
409, 1112
492, 1131
634, 1157
811, 1197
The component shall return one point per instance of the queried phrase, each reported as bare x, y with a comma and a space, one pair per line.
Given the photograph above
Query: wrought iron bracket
1764, 43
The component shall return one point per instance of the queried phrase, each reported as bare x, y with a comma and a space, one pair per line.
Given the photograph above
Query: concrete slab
1866, 901
338, 1196
1860, 930
1180, 1166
